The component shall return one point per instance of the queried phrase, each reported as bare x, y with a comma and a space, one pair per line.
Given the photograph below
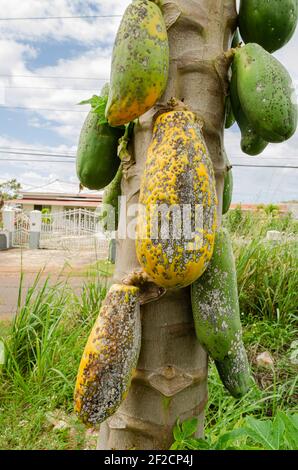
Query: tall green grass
267, 278
45, 342
256, 224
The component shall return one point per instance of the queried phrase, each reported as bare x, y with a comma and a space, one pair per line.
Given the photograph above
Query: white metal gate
20, 235
74, 229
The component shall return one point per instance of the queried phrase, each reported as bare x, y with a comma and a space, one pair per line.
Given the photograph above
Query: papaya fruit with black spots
266, 93
140, 63
216, 316
110, 356
271, 24
251, 142
178, 176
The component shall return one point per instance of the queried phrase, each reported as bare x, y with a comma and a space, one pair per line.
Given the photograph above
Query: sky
73, 57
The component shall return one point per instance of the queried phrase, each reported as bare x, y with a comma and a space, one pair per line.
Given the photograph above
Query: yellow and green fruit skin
266, 93
271, 24
251, 142
228, 187
216, 316
140, 63
97, 161
178, 173
110, 356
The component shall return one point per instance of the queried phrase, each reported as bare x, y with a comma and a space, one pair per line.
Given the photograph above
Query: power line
265, 166
27, 108
37, 161
33, 18
72, 158
53, 76
28, 149
38, 154
46, 88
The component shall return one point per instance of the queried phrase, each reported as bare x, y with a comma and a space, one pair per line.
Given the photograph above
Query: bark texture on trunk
171, 379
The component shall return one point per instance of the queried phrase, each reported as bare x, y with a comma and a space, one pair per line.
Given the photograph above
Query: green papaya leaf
197, 444
224, 439
175, 446
98, 105
262, 432
189, 427
177, 432
291, 430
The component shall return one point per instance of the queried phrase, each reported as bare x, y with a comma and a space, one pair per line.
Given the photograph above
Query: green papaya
266, 93
97, 161
251, 142
110, 199
230, 118
216, 317
271, 24
140, 63
228, 187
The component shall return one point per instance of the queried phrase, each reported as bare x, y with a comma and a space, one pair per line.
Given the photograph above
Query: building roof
59, 188
58, 193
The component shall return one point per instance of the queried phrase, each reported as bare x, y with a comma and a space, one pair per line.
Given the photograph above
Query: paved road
55, 263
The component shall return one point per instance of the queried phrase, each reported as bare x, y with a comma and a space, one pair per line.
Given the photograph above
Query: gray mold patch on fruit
110, 362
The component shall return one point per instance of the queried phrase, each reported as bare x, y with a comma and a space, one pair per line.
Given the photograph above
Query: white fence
21, 230
74, 229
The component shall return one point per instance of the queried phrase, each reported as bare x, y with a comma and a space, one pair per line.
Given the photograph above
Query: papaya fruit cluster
139, 77
178, 174
262, 94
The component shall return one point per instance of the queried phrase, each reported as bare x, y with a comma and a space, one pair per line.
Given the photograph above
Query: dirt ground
54, 263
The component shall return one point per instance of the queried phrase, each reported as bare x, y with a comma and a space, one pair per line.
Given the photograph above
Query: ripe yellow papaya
140, 63
110, 356
178, 180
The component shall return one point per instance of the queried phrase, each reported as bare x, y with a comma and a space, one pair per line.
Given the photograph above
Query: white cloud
20, 41
82, 30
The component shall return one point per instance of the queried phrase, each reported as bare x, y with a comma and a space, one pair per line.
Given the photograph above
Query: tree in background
8, 190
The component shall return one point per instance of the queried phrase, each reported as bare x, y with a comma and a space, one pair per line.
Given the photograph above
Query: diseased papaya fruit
228, 187
217, 319
140, 63
97, 161
251, 142
271, 24
178, 182
110, 356
266, 93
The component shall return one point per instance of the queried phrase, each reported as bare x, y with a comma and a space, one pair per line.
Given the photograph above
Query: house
57, 196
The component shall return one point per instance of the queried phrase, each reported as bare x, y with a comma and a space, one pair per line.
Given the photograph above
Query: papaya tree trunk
171, 378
